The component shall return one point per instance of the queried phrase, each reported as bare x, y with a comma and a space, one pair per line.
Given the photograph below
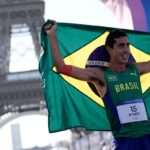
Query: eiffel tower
19, 92
18, 14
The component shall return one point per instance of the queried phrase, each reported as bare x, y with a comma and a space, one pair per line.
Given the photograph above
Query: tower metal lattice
18, 14
19, 92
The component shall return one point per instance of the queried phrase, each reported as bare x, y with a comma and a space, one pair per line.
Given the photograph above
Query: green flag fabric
70, 102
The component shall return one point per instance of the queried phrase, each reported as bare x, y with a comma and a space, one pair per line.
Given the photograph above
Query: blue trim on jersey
140, 143
110, 105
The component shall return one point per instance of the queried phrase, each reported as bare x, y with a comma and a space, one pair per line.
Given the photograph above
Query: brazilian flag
73, 103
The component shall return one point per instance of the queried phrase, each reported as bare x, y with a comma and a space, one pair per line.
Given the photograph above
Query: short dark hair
114, 34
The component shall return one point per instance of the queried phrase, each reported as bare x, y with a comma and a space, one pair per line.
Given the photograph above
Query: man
120, 87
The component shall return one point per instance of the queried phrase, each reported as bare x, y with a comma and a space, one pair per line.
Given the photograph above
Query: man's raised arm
88, 74
143, 67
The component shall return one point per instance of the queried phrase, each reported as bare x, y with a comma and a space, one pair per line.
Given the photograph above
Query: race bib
132, 111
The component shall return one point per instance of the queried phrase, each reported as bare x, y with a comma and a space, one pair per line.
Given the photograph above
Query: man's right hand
50, 28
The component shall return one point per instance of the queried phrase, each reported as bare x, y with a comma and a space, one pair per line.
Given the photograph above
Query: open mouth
125, 56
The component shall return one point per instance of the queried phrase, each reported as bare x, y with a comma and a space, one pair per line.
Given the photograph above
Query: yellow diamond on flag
80, 57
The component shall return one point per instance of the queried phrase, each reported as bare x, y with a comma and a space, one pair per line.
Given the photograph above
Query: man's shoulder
131, 65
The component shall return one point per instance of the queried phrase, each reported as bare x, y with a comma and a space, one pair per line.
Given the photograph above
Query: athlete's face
120, 52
